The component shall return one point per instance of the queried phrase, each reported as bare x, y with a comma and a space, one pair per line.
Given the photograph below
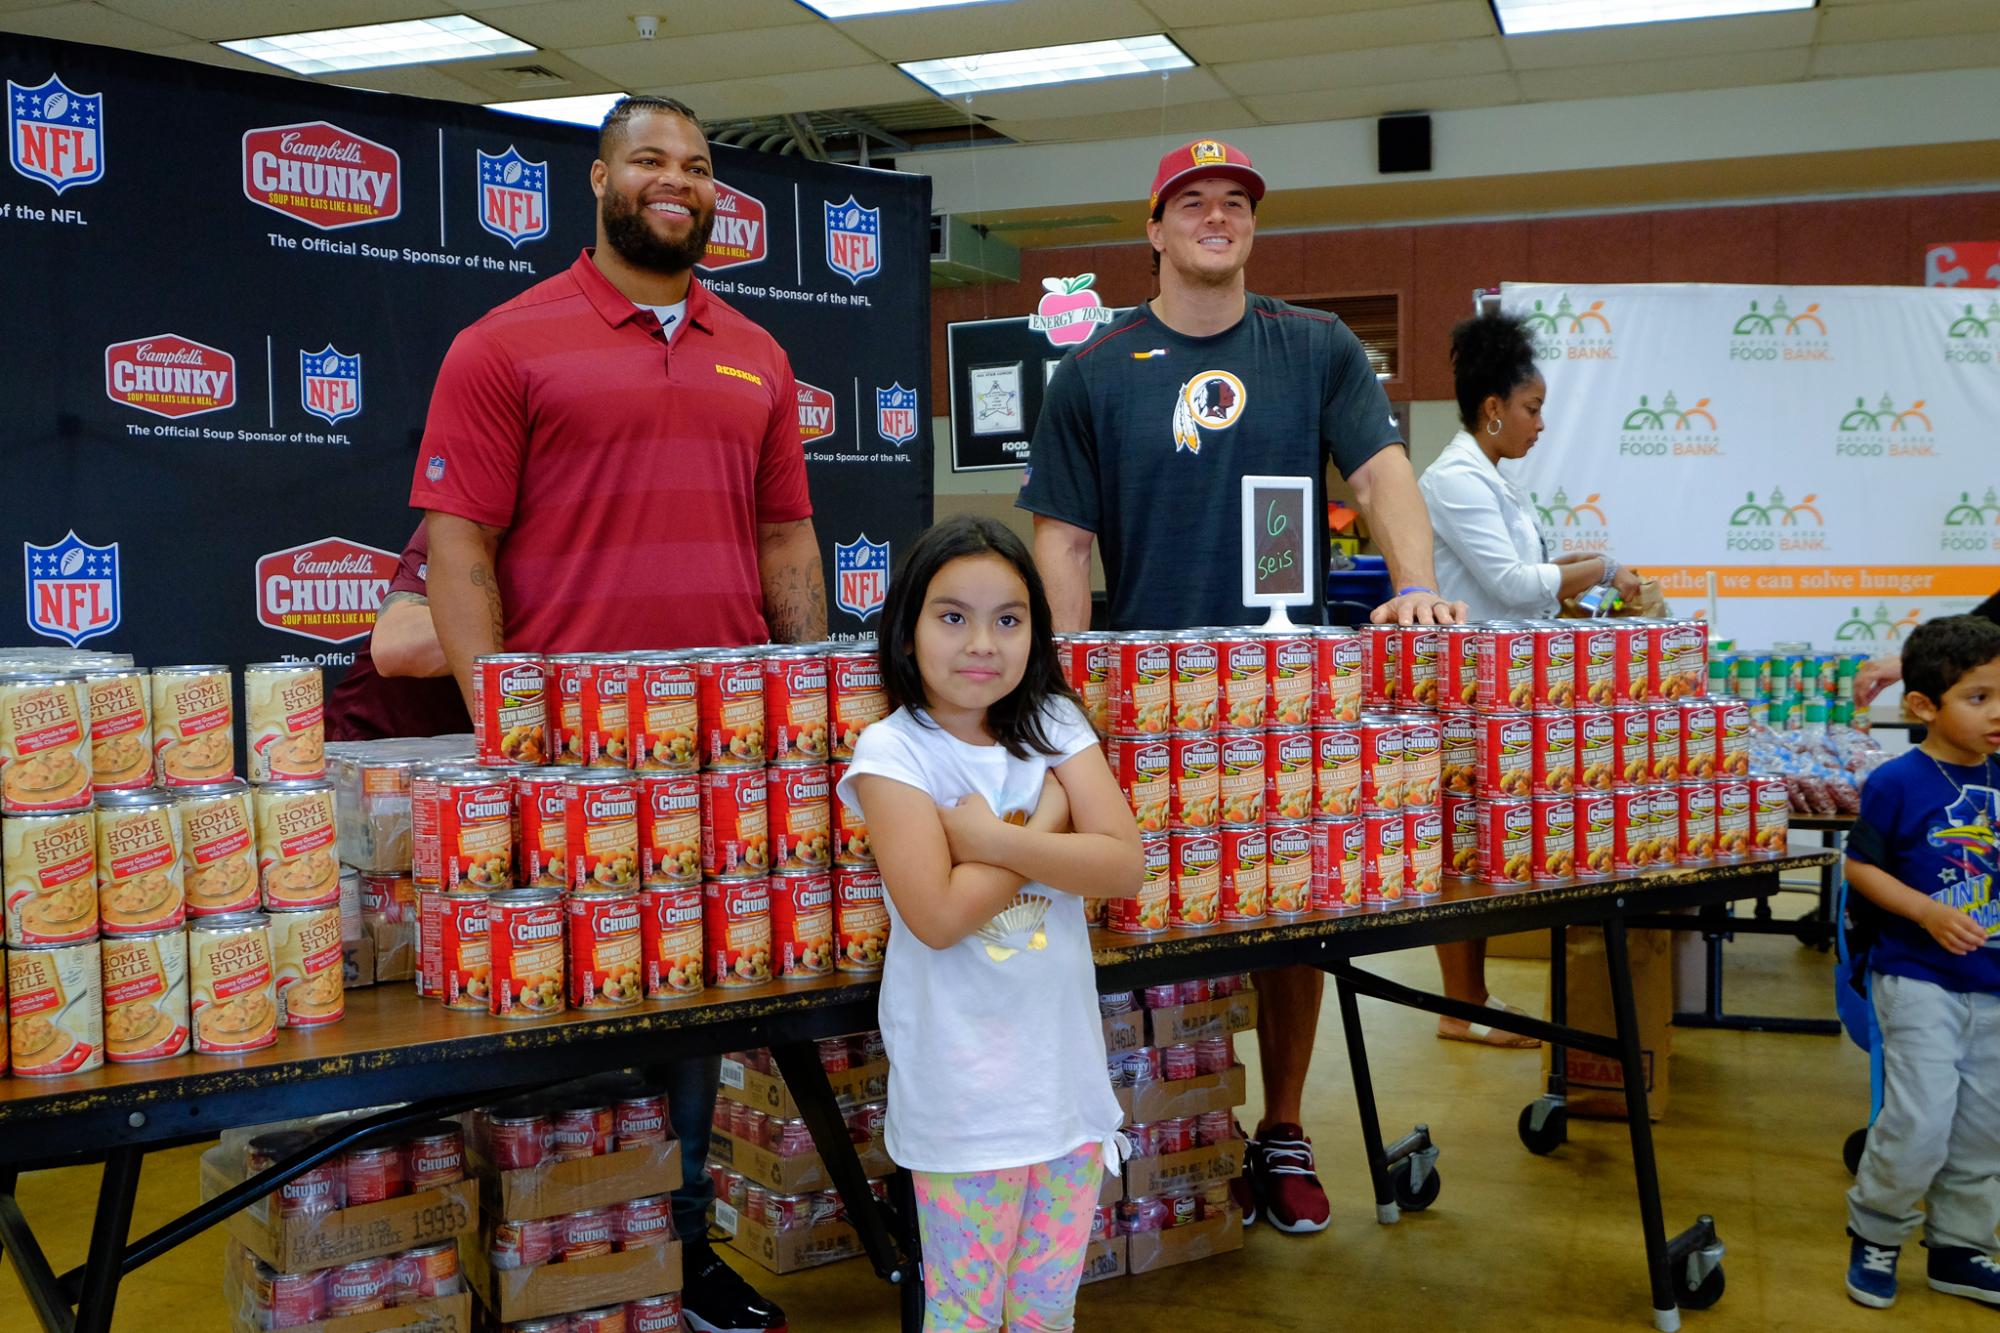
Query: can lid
144, 799
508, 657
295, 786
198, 669
282, 666
40, 677
228, 923
95, 674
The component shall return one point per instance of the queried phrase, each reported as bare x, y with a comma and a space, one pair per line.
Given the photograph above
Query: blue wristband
1414, 587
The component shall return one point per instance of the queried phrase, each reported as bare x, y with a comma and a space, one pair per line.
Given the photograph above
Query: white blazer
1489, 550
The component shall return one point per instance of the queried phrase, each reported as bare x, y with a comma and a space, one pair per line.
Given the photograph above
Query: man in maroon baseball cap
1146, 433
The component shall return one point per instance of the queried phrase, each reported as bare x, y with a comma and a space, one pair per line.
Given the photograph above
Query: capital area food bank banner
228, 296
1828, 454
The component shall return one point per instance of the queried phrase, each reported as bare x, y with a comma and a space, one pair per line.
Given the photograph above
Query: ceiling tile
1353, 69
1912, 56
97, 25
1179, 122
412, 81
208, 53
968, 29
1664, 76
216, 20
1137, 92
860, 86
1406, 24
1660, 41
723, 55
1197, 13
1348, 103
494, 84
1907, 18
576, 23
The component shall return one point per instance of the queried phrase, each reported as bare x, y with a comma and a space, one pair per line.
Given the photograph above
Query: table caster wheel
1550, 1135
1699, 1296
1851, 1151
1413, 1195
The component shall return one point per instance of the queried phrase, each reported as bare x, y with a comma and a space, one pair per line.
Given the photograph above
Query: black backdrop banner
227, 296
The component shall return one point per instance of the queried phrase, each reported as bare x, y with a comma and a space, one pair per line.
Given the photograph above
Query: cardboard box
790, 1175
1596, 1082
447, 1314
768, 1093
1161, 1100
1112, 1190
1124, 1032
395, 945
1210, 1018
1184, 1172
548, 1289
788, 1251
1522, 944
300, 1244
554, 1188
357, 959
1205, 1239
1104, 1258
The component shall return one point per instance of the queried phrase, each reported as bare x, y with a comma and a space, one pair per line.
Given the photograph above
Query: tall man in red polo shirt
612, 461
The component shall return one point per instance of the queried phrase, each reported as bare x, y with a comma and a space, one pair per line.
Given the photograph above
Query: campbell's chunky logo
1251, 848
1202, 853
1293, 658
1671, 428
524, 680
483, 804
675, 798
1159, 856
1151, 663
1150, 760
816, 420
1561, 732
170, 376
742, 684
1292, 751
1559, 817
620, 918
1700, 798
1339, 748
1347, 656
1421, 738
609, 806
322, 175
816, 891
1518, 820
1247, 659
1886, 430
1241, 754
738, 236
1290, 843
1596, 729
328, 590
1199, 755
1195, 659
689, 915
670, 687
1780, 333
1576, 329
808, 784
1515, 735
863, 673
535, 927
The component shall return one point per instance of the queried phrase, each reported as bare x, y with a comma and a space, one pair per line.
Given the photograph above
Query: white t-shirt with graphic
996, 1051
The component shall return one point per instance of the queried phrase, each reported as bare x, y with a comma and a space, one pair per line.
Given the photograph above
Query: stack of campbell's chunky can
155, 903
1327, 768
638, 826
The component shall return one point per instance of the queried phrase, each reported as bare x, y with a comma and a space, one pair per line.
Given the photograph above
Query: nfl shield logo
329, 384
853, 240
896, 414
860, 576
54, 135
434, 469
513, 196
72, 589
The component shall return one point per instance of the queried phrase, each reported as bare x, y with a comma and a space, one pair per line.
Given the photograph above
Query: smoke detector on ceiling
648, 26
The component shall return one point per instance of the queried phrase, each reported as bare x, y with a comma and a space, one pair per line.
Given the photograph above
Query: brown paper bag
1596, 1083
1649, 604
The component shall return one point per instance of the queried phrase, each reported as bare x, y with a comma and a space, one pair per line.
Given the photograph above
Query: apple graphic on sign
1069, 310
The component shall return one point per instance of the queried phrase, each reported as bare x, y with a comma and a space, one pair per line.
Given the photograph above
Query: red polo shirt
366, 705
629, 472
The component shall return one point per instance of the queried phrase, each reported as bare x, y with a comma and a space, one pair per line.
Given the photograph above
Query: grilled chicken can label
50, 869
192, 718
1423, 759
1288, 774
1244, 873
1340, 671
1196, 780
139, 884
1338, 845
286, 726
1144, 767
1196, 896
1382, 877
1147, 912
736, 919
1381, 762
1336, 771
1087, 666
510, 720
45, 745
1423, 850
306, 961
1289, 879
1241, 770
232, 992
145, 997
1196, 688
295, 844
219, 868
1143, 703
1289, 680
802, 931
1243, 682
55, 1018
121, 729
671, 940
669, 830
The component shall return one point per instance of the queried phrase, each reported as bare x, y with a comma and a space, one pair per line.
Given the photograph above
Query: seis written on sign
1278, 560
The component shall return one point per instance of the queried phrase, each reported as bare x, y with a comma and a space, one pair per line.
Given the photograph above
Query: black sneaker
716, 1300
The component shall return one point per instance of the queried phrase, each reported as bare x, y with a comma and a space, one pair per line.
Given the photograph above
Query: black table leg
903, 1189
1617, 957
106, 1264
799, 1063
1386, 1210
30, 1264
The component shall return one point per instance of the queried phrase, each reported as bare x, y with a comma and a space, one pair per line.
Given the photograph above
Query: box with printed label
303, 1242
1104, 1258
1164, 1099
395, 944
446, 1314
1124, 1032
1205, 1239
1112, 1190
1209, 1018
768, 1093
798, 1174
1184, 1172
357, 960
581, 1284
788, 1251
554, 1188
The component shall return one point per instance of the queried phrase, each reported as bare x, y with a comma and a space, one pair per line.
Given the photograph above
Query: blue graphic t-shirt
1935, 827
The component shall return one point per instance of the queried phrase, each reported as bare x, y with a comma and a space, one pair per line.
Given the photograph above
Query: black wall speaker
1402, 143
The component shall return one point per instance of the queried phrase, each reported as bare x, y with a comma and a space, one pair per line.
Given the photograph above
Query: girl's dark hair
1491, 355
1016, 721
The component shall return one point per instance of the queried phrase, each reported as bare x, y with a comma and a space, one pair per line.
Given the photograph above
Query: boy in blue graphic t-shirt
1924, 852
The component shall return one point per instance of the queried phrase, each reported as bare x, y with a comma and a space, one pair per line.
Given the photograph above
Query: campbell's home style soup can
55, 1018
219, 869
121, 728
192, 719
286, 728
145, 996
232, 993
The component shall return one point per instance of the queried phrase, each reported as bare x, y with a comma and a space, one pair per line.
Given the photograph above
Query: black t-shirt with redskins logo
1145, 435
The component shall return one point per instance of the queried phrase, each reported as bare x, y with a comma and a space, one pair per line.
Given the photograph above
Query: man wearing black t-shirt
1144, 436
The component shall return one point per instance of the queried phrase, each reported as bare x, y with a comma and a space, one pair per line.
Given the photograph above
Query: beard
632, 236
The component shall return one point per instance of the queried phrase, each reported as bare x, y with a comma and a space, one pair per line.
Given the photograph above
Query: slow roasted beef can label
509, 709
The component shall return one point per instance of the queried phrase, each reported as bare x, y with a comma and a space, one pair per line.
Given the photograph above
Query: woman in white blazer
1492, 554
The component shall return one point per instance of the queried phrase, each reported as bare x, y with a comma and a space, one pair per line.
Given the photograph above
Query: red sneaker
1243, 1189
1294, 1200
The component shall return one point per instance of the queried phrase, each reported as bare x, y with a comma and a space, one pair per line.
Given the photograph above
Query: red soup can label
800, 805
524, 935
1144, 766
1770, 815
662, 701
1288, 697
1631, 664
1553, 845
1243, 874
736, 917
1461, 833
1341, 666
509, 714
671, 941
730, 703
1197, 780
1197, 879
1087, 667
1382, 856
607, 733
1382, 671
567, 675
1596, 664
606, 962
1732, 738
1666, 825
1631, 828
735, 824
1664, 726
1458, 668
1288, 774
541, 806
1733, 819
1423, 759
1241, 769
1697, 811
1632, 741
1506, 763
856, 698
1699, 750
1423, 653
1291, 851
1458, 757
603, 833
860, 919
464, 971
1552, 768
1381, 762
1596, 749
1197, 688
1554, 679
802, 922
1338, 845
795, 708
1147, 913
1507, 669
1506, 840
1423, 851
1242, 676
1337, 771
1596, 852
669, 830
1143, 704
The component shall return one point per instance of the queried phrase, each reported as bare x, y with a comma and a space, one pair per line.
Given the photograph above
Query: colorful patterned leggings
1006, 1247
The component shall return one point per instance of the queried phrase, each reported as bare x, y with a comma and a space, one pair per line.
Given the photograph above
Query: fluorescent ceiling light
964, 76
378, 45
1518, 18
858, 9
589, 110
